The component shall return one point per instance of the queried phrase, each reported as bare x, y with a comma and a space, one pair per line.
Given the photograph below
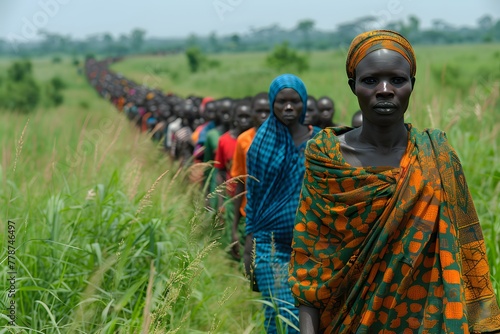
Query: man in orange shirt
260, 112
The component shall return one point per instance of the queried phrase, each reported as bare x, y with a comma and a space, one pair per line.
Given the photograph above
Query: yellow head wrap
374, 40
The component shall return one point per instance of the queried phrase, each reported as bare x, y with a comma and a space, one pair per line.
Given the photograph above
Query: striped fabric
277, 167
374, 40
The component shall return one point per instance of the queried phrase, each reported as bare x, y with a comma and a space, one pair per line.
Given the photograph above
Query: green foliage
19, 91
194, 57
53, 92
197, 60
284, 58
20, 70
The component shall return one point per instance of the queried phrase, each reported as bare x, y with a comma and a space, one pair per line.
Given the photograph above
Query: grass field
106, 228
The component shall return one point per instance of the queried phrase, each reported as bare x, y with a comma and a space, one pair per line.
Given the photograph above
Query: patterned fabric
182, 146
277, 168
199, 148
203, 134
172, 127
374, 40
196, 133
394, 250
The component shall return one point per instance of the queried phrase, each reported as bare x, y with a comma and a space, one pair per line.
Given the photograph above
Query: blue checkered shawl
278, 165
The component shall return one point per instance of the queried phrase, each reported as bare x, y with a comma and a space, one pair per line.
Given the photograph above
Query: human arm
308, 319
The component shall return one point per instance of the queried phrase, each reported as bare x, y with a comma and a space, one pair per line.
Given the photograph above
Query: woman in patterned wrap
386, 237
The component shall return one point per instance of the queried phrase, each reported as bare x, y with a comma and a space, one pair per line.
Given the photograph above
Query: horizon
222, 17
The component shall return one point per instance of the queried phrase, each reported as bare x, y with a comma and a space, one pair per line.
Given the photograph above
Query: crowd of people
365, 228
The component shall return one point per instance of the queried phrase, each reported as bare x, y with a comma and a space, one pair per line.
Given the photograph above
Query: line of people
195, 129
347, 229
216, 135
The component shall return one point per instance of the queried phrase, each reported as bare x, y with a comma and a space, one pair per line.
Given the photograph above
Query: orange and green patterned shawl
397, 249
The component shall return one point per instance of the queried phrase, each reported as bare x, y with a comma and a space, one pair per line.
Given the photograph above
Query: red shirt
224, 157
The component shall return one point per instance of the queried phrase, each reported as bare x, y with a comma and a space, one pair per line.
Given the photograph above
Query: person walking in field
260, 112
241, 121
275, 164
386, 237
222, 125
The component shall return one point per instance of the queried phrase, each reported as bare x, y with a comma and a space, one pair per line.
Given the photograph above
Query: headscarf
288, 81
374, 40
277, 168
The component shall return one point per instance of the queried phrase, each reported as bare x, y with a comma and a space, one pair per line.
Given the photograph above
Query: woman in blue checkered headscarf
275, 162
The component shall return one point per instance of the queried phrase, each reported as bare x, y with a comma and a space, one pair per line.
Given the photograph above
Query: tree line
304, 36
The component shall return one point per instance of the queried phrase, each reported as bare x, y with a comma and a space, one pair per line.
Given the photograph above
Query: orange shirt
239, 166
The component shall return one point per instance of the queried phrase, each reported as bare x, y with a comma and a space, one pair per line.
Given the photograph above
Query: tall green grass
110, 235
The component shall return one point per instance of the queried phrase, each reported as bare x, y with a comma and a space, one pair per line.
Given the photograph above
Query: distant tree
283, 57
496, 30
192, 41
213, 42
108, 41
137, 39
195, 58
414, 24
122, 45
235, 42
486, 25
305, 27
485, 22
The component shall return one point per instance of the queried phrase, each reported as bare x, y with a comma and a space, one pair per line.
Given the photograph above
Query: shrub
285, 58
19, 91
197, 60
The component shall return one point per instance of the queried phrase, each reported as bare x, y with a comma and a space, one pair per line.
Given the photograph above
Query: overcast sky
20, 19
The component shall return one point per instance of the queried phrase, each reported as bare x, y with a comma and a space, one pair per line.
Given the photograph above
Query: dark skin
383, 86
260, 112
210, 111
223, 113
312, 114
287, 109
326, 111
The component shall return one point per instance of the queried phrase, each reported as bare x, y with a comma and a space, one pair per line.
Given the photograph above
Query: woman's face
383, 86
288, 106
